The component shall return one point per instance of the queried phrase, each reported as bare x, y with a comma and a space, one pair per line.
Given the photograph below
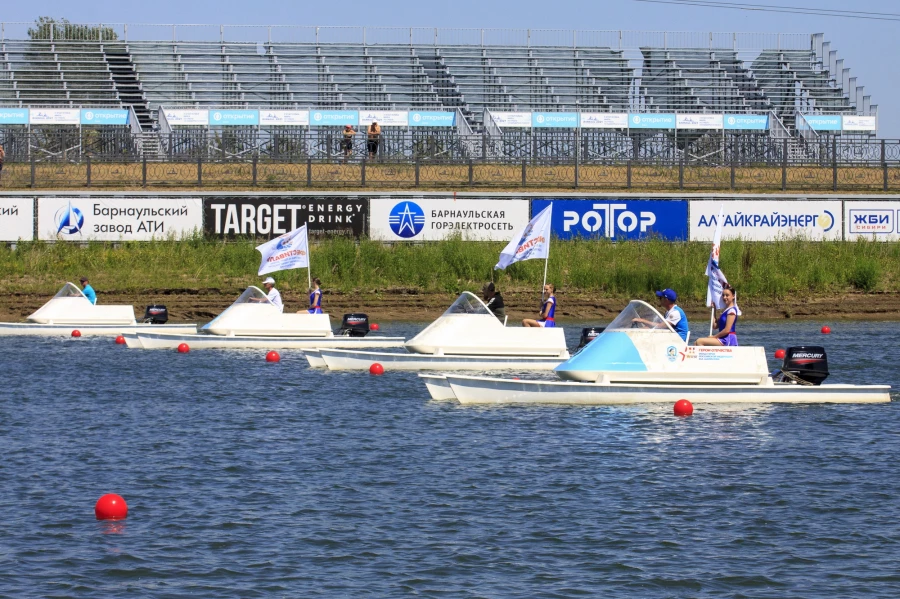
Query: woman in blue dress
727, 322
315, 298
548, 310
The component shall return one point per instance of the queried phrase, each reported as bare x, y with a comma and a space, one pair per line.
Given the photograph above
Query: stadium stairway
127, 83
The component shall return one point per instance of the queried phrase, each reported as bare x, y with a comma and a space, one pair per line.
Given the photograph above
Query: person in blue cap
88, 290
675, 316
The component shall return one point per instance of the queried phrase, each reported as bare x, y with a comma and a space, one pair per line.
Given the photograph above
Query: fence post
577, 141
884, 168
144, 171
88, 163
417, 172
199, 171
834, 177
255, 161
784, 160
472, 173
309, 172
524, 173
681, 172
362, 173
483, 146
628, 176
32, 170
732, 171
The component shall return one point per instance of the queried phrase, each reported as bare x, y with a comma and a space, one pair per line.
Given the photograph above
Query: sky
869, 48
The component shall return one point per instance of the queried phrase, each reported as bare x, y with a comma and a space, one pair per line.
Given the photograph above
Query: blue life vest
723, 319
315, 300
551, 311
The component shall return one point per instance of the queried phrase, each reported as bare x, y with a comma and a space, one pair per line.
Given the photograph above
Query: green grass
626, 269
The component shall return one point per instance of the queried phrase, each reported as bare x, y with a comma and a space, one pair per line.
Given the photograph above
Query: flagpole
712, 318
546, 262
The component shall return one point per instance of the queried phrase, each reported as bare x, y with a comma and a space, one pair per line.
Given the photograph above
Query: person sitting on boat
315, 298
88, 291
272, 294
675, 316
494, 301
727, 321
548, 310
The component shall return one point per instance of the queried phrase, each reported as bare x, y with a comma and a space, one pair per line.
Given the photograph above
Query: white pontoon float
637, 363
252, 321
466, 337
69, 310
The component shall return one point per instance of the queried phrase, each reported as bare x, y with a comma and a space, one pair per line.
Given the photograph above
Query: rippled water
248, 479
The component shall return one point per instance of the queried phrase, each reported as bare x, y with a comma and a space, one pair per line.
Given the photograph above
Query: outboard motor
156, 314
803, 365
355, 325
588, 334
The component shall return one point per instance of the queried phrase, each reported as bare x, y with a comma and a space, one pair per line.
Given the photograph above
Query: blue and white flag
716, 276
531, 242
291, 250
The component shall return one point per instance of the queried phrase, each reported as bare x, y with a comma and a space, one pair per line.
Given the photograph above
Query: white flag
291, 250
716, 276
531, 242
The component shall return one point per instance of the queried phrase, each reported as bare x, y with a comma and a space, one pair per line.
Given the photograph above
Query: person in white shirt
273, 294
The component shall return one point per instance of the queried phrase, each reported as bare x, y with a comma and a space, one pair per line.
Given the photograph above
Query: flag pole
546, 262
712, 318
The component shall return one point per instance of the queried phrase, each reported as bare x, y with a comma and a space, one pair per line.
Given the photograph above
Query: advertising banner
512, 119
333, 118
554, 119
270, 217
384, 118
747, 122
54, 116
115, 219
699, 121
767, 220
427, 219
860, 123
104, 116
617, 219
233, 118
187, 117
13, 116
16, 219
823, 122
295, 118
604, 120
871, 220
432, 119
651, 121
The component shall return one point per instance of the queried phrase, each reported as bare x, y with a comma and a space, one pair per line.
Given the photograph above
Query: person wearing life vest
727, 335
548, 310
315, 298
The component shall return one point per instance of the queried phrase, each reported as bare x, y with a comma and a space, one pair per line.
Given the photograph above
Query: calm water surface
248, 479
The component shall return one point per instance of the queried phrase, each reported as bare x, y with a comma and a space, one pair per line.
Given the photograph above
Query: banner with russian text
532, 242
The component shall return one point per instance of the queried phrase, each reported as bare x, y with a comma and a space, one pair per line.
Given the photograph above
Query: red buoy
76, 333
111, 507
183, 348
374, 326
272, 356
779, 354
376, 369
683, 408
826, 330
120, 340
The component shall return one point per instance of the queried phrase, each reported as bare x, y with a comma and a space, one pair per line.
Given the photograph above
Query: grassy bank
628, 269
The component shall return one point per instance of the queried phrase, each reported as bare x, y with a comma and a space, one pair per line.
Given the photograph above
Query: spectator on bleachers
347, 141
373, 140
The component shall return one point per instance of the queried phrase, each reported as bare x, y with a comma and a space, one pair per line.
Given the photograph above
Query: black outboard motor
588, 334
803, 365
355, 325
156, 314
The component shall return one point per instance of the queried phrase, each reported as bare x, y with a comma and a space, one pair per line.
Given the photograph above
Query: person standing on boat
675, 316
315, 298
272, 294
727, 321
494, 301
548, 310
88, 291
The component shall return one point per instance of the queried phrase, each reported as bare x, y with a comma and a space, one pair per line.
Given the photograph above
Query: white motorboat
69, 310
648, 362
466, 337
253, 321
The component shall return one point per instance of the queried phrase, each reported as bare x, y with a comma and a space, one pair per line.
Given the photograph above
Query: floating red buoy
120, 340
374, 326
683, 408
779, 354
111, 507
76, 333
376, 369
272, 356
183, 348
826, 330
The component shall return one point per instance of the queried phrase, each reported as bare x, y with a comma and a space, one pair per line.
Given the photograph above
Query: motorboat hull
339, 359
438, 387
152, 340
19, 328
487, 390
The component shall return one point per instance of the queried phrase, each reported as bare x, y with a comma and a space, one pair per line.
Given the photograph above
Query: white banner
187, 117
296, 118
291, 250
767, 220
860, 123
871, 220
532, 242
114, 219
426, 219
512, 119
604, 120
55, 116
385, 118
699, 121
16, 219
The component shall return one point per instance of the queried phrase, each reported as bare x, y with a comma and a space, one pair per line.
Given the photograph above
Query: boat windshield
69, 290
467, 303
253, 295
647, 318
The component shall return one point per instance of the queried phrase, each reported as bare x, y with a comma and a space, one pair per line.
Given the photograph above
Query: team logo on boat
407, 219
69, 220
672, 353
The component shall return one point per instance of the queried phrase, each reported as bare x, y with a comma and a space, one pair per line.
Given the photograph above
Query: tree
47, 28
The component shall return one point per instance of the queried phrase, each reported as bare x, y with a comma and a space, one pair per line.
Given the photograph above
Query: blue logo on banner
617, 219
407, 219
69, 220
232, 118
554, 119
754, 122
103, 116
333, 118
651, 121
431, 119
13, 116
872, 221
821, 122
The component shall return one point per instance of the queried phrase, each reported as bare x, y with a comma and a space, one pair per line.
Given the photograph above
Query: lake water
248, 479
